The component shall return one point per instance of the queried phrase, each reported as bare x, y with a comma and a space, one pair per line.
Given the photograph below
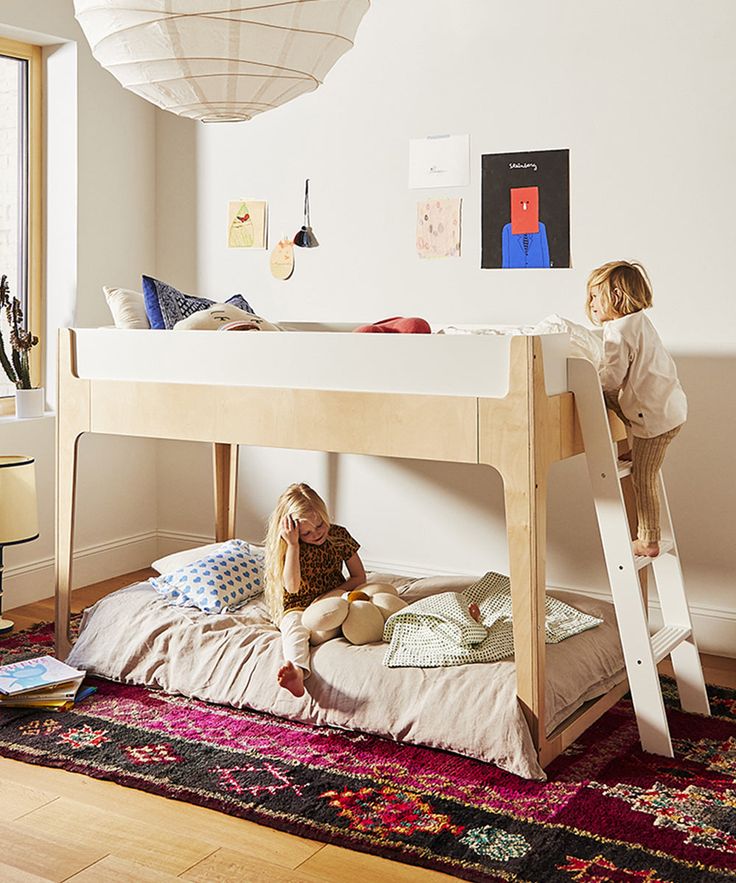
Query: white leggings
295, 640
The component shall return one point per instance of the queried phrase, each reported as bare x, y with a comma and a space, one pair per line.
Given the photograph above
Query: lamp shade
219, 60
305, 238
18, 507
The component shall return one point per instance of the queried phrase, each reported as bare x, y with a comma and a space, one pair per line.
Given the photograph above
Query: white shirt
636, 363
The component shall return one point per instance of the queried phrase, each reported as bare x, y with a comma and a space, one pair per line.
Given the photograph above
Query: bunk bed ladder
642, 652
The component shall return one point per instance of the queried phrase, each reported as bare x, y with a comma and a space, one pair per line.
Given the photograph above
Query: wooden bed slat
391, 425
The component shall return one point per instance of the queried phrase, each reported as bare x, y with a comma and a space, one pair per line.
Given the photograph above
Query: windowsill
11, 418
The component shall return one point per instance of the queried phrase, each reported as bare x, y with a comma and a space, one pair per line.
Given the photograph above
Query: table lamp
18, 511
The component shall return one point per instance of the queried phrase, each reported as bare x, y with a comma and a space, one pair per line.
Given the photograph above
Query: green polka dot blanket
439, 630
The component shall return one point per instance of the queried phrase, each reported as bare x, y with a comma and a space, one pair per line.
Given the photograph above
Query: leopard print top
321, 567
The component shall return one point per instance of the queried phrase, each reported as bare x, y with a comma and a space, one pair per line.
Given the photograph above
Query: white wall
640, 95
99, 229
116, 505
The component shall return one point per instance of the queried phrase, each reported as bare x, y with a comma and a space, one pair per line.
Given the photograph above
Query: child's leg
611, 399
647, 458
295, 646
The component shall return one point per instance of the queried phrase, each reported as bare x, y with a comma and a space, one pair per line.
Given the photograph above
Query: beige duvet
135, 637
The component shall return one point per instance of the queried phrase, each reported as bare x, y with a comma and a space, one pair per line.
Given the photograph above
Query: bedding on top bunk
162, 306
133, 636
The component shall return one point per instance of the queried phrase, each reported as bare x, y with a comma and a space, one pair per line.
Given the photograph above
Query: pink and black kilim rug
607, 814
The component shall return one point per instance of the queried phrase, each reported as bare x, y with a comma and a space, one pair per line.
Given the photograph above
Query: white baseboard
413, 569
31, 582
170, 541
714, 628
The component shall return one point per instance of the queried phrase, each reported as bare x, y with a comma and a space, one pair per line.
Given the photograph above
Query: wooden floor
56, 825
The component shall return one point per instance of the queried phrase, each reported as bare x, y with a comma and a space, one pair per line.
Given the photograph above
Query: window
20, 194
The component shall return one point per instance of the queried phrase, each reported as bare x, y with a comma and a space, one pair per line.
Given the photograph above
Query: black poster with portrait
525, 210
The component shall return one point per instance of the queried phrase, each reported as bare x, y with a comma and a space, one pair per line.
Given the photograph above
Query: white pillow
172, 562
127, 307
215, 583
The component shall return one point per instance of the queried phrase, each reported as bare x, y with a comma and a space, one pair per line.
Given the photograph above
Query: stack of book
44, 682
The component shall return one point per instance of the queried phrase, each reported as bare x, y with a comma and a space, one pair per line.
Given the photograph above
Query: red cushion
397, 325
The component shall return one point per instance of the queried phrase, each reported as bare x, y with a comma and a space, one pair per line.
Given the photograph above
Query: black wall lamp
305, 238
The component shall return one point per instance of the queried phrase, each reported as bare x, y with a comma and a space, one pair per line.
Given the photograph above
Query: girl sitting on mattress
304, 559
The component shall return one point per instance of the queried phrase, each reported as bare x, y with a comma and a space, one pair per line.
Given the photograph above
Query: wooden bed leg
225, 457
332, 480
522, 452
526, 524
66, 481
72, 420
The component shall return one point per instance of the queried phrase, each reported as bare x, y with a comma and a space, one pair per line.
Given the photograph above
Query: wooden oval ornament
282, 259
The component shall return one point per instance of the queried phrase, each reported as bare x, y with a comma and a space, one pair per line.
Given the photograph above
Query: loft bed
500, 400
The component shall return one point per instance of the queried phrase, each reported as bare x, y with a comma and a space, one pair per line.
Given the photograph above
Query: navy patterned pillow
166, 305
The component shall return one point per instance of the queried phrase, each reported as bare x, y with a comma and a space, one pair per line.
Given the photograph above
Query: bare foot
291, 678
646, 550
474, 611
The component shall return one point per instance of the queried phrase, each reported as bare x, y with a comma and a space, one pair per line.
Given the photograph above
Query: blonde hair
302, 503
624, 288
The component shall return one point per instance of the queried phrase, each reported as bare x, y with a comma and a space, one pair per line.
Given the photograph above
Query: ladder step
666, 547
666, 639
623, 467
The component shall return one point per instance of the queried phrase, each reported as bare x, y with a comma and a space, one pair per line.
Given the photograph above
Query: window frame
34, 313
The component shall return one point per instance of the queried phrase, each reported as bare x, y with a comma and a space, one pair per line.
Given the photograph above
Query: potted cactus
29, 400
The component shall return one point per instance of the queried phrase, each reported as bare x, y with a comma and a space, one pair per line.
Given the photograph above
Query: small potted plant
29, 400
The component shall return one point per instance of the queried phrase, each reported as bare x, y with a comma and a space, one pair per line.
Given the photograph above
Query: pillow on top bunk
166, 305
220, 581
224, 317
127, 307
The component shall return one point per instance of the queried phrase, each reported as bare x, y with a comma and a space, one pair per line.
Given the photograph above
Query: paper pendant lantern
219, 60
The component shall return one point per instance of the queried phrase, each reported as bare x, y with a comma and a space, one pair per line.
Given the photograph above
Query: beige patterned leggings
647, 456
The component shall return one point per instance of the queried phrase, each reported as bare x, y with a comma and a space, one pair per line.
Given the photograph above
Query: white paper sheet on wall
439, 161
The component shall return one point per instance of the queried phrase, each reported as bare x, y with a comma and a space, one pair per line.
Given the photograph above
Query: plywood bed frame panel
520, 435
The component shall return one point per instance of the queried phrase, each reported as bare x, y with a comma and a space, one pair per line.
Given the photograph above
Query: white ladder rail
685, 657
641, 652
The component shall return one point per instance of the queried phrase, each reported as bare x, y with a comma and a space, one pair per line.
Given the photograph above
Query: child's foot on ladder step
646, 550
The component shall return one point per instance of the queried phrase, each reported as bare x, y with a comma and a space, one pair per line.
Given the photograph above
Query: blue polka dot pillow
218, 582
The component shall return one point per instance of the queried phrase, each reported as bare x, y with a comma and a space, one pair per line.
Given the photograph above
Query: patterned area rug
607, 813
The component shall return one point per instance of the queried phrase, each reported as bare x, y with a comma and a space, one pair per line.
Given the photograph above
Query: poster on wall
438, 228
246, 223
525, 210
